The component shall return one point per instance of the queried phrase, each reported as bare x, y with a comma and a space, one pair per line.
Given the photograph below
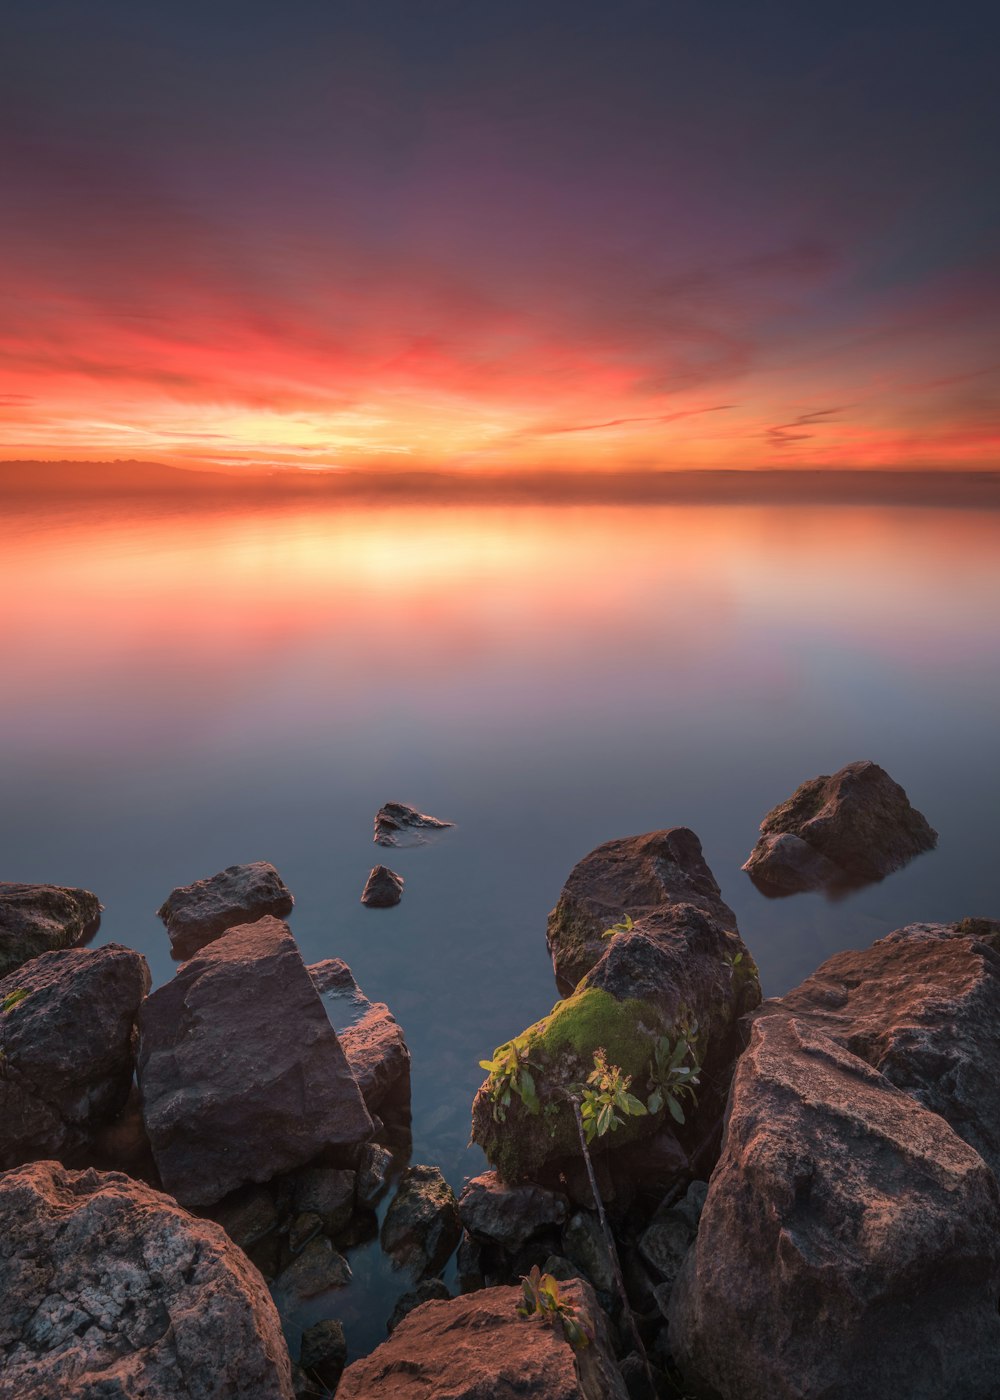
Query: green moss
593, 1019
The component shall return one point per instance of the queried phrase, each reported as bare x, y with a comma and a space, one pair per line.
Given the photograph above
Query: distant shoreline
27, 481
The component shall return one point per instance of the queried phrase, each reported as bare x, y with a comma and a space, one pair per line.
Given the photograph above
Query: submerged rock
198, 914
241, 1074
36, 919
327, 1192
111, 1289
315, 1269
371, 1037
856, 826
476, 1346
632, 876
509, 1215
422, 1227
396, 824
66, 1056
383, 888
849, 1244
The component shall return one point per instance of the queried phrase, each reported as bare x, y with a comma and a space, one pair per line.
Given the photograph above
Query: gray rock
509, 1215
315, 1269
421, 1227
111, 1289
634, 876
859, 821
371, 1037
324, 1352
664, 1243
476, 1347
304, 1227
584, 1244
396, 824
850, 1242
324, 1191
431, 1290
66, 1056
383, 888
36, 919
242, 1076
247, 1215
374, 1169
197, 914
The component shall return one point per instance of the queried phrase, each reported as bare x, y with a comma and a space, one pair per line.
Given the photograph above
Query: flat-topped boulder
630, 877
476, 1346
66, 1057
241, 1074
111, 1289
922, 1006
38, 918
854, 826
197, 914
397, 824
849, 1246
371, 1037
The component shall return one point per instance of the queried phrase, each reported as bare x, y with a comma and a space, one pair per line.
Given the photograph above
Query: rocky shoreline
802, 1191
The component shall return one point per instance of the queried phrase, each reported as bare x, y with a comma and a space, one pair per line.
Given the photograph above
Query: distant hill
27, 481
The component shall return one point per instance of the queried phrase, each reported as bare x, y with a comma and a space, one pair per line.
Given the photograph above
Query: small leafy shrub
605, 1101
509, 1074
624, 926
543, 1299
674, 1073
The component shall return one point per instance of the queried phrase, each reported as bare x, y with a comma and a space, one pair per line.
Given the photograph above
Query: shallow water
188, 688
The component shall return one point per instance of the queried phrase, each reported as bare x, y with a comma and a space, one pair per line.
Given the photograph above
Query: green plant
674, 1072
624, 926
605, 1101
12, 998
509, 1074
543, 1299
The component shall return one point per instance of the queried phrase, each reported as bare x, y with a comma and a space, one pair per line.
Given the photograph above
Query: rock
316, 1269
675, 968
197, 914
324, 1352
584, 1244
36, 919
633, 876
374, 1169
561, 1268
663, 1245
859, 821
111, 1289
422, 1226
247, 1215
66, 1056
923, 1007
304, 1227
476, 1346
396, 824
383, 888
849, 1242
324, 1191
241, 1074
431, 1290
509, 1215
371, 1037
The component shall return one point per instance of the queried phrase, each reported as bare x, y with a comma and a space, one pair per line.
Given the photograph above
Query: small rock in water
396, 824
39, 918
241, 894
374, 1168
315, 1270
383, 888
422, 1227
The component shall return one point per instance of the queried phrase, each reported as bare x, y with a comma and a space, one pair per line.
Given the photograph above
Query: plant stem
609, 1240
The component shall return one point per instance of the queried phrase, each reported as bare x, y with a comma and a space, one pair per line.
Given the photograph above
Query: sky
483, 235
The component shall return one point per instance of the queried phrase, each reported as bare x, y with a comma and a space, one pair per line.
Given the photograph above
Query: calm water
182, 690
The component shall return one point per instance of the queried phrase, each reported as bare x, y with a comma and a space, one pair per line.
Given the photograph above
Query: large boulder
66, 1057
111, 1289
241, 1074
678, 972
509, 1215
371, 1037
476, 1347
850, 1241
38, 918
630, 877
922, 1006
852, 827
241, 894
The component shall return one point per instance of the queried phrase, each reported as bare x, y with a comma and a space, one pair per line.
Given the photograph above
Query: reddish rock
477, 1348
36, 919
197, 914
66, 1056
110, 1288
371, 1037
850, 1242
